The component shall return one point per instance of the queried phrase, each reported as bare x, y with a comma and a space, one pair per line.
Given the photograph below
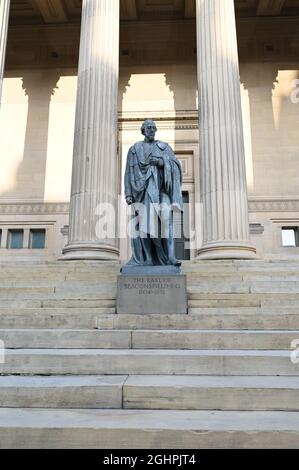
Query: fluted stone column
223, 174
4, 17
95, 162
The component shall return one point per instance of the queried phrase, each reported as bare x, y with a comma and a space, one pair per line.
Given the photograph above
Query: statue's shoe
175, 262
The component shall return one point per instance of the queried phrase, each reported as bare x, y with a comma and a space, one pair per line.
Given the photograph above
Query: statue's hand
161, 163
129, 200
155, 161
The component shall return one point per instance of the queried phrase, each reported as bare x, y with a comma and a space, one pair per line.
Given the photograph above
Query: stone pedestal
146, 294
223, 174
95, 163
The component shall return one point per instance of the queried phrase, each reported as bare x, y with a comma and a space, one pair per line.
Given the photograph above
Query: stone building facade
221, 79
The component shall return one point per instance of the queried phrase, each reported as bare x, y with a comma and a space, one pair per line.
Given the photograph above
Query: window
37, 239
15, 239
290, 236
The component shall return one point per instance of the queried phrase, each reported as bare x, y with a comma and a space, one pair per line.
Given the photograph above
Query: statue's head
149, 129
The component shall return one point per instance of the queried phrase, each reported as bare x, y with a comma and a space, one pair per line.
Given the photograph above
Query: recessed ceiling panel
162, 8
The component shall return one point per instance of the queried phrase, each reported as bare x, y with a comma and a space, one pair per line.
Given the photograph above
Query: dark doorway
181, 226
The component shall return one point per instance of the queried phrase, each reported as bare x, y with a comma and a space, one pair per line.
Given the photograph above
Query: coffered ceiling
64, 11
45, 11
251, 8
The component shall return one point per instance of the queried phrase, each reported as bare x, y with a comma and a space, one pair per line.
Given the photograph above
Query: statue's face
150, 130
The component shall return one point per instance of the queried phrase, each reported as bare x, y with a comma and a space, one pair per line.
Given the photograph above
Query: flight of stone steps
76, 375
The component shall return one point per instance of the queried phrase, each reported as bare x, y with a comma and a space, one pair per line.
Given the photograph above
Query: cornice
255, 205
274, 204
34, 208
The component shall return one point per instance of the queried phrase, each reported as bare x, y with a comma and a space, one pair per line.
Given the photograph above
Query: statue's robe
159, 192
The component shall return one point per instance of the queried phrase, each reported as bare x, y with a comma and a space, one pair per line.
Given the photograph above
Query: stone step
197, 281
230, 300
152, 392
89, 271
246, 277
240, 266
188, 266
239, 311
62, 392
73, 318
250, 318
147, 362
105, 318
41, 267
49, 289
55, 303
57, 284
213, 339
66, 339
42, 293
242, 287
148, 339
107, 298
156, 429
56, 277
15, 277
211, 393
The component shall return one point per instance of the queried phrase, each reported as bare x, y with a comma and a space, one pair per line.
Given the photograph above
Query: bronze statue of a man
153, 182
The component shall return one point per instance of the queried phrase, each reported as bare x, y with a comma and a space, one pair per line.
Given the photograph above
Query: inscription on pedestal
151, 295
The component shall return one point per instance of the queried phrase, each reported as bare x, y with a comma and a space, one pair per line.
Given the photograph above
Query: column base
227, 250
89, 252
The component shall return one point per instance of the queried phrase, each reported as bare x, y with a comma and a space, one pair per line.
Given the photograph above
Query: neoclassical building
221, 79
